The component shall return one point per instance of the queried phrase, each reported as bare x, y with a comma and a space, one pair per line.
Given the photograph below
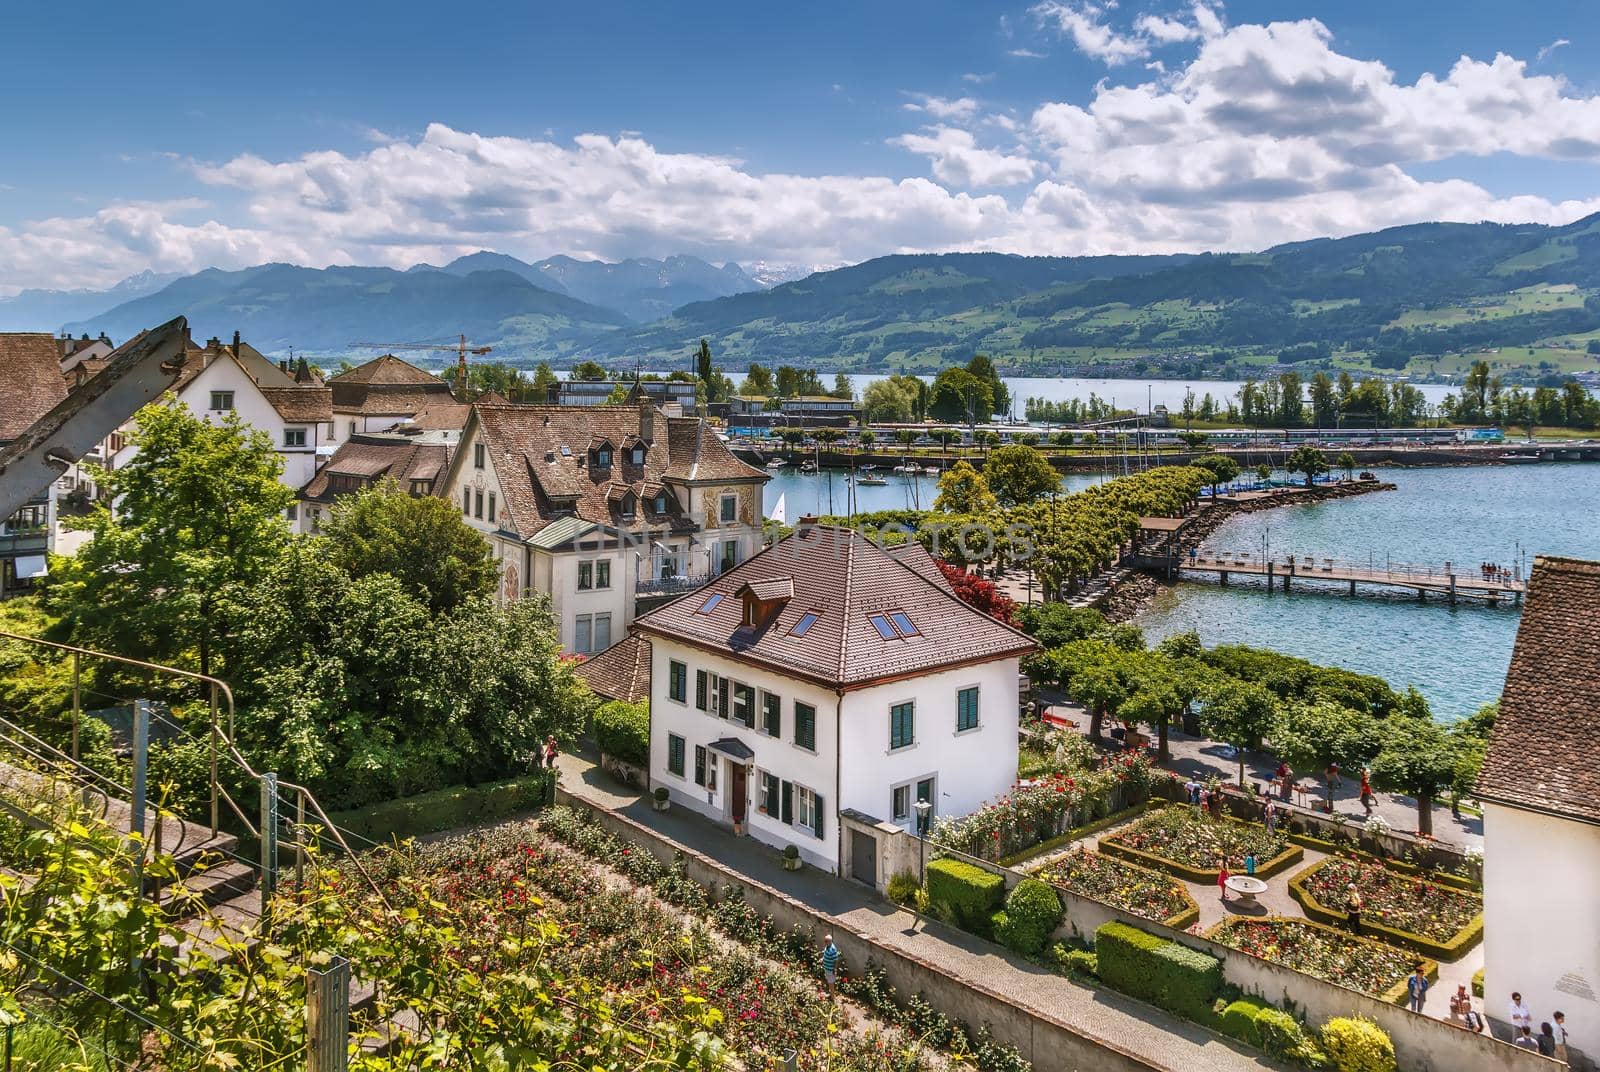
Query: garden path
1159, 1038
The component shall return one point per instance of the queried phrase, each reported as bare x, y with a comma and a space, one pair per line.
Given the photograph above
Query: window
730, 555
602, 632
677, 681
719, 696
807, 620
585, 576
700, 679
627, 506
805, 725
294, 437
466, 501
710, 604
602, 573
744, 703
700, 764
967, 709
602, 458
892, 624
291, 513
583, 634
752, 610
478, 455
900, 803
808, 809
730, 508
661, 503
675, 754
352, 427
594, 574
221, 401
771, 714
477, 503
771, 794
902, 623
902, 724
881, 624
638, 455
491, 506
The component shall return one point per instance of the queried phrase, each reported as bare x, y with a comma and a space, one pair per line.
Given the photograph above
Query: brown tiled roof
386, 369
30, 380
621, 672
917, 557
842, 577
1541, 752
370, 457
438, 414
770, 588
525, 445
307, 403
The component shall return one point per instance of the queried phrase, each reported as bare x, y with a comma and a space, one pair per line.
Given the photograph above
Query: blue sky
186, 135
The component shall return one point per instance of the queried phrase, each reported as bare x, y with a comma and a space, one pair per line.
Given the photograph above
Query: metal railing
1311, 565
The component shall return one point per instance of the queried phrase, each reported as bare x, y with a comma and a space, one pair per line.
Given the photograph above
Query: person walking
1417, 987
1269, 815
1367, 799
550, 751
1352, 907
1460, 1004
1250, 864
1546, 1040
1561, 1035
1222, 878
830, 964
1521, 1018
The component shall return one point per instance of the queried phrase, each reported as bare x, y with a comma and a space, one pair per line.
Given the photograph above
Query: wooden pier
1452, 581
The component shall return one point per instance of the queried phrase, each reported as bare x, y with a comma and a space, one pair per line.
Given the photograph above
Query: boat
808, 467
931, 470
903, 469
870, 478
1518, 459
776, 463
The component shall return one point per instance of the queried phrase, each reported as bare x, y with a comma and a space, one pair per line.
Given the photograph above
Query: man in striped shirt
830, 963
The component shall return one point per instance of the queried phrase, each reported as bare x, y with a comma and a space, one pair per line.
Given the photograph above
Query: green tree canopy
963, 490
1240, 713
421, 541
758, 381
200, 515
1220, 468
981, 367
1417, 758
1308, 460
888, 402
959, 397
590, 371
1018, 475
843, 387
1055, 624
1315, 735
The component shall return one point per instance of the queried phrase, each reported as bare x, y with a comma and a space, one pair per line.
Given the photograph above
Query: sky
180, 136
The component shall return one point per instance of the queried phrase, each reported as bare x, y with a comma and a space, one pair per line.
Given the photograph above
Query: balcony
30, 541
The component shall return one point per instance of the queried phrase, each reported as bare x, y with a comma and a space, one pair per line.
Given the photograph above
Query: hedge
445, 809
1291, 855
1173, 976
1477, 983
1355, 1044
623, 730
1239, 1020
1032, 913
1075, 834
970, 892
1464, 939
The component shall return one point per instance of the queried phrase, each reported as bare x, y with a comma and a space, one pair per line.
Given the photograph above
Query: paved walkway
1161, 1039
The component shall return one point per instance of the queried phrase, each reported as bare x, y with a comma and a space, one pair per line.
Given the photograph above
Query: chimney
283, 364
647, 421
236, 344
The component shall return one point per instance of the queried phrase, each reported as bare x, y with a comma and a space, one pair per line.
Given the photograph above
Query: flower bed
1182, 841
1358, 963
1431, 918
1145, 893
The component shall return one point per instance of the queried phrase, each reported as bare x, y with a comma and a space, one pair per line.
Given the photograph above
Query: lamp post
924, 809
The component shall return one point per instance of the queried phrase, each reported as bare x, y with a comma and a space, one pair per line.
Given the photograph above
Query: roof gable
387, 369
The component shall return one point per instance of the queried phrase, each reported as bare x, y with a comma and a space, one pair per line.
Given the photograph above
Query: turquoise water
827, 493
1457, 656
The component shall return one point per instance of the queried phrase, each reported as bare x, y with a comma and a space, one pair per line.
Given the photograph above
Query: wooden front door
736, 797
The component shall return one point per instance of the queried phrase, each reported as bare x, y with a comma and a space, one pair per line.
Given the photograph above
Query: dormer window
626, 508
638, 455
602, 458
661, 503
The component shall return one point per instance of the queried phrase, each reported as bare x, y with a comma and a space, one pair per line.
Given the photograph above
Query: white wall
778, 755
567, 601
1541, 902
969, 767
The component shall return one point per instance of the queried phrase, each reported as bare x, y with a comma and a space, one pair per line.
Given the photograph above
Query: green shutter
788, 802
700, 689
816, 814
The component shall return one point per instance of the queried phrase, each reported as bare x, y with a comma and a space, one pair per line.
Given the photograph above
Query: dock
1450, 580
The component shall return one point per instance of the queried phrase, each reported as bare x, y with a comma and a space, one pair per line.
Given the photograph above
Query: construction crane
461, 348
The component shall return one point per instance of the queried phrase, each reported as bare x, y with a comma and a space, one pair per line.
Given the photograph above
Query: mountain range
1424, 297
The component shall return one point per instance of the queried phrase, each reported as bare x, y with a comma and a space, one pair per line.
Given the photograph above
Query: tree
1263, 472
544, 381
977, 592
589, 371
842, 386
1314, 736
867, 438
1240, 713
1018, 475
1418, 759
703, 369
1308, 460
1099, 687
200, 514
960, 397
1324, 405
421, 541
1055, 624
758, 381
963, 490
887, 402
981, 367
1347, 462
1193, 440
1219, 468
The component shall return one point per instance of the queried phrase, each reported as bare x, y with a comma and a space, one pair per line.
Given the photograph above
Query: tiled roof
1541, 752
918, 558
843, 578
369, 457
386, 369
308, 403
30, 380
539, 482
438, 414
621, 672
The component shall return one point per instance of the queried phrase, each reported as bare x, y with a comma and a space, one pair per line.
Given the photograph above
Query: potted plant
791, 858
661, 802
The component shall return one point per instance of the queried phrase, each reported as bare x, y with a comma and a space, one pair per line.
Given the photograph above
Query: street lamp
924, 809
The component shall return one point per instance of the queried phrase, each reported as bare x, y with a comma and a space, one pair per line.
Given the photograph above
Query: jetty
1450, 580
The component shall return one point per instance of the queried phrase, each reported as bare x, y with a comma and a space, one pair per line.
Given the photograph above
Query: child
1250, 864
1222, 878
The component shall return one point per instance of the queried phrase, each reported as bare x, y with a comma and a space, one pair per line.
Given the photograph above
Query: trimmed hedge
1291, 855
445, 809
1076, 960
623, 730
1239, 1020
1477, 983
1032, 913
1173, 976
972, 894
1355, 1044
1281, 1036
1464, 939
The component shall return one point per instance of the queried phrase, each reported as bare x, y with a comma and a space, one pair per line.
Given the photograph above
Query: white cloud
1083, 23
958, 161
1560, 42
978, 79
1025, 54
959, 109
1167, 31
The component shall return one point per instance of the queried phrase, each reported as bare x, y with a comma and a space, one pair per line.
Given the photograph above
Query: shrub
661, 792
1238, 1020
791, 852
1356, 1044
623, 730
1032, 913
1080, 961
971, 894
1165, 973
1282, 1037
903, 887
1477, 983
444, 809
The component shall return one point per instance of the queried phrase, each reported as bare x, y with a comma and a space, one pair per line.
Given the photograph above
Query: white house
31, 384
1540, 789
600, 506
829, 675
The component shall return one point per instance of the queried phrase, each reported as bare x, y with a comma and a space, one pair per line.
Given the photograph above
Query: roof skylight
710, 604
807, 620
902, 623
881, 624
